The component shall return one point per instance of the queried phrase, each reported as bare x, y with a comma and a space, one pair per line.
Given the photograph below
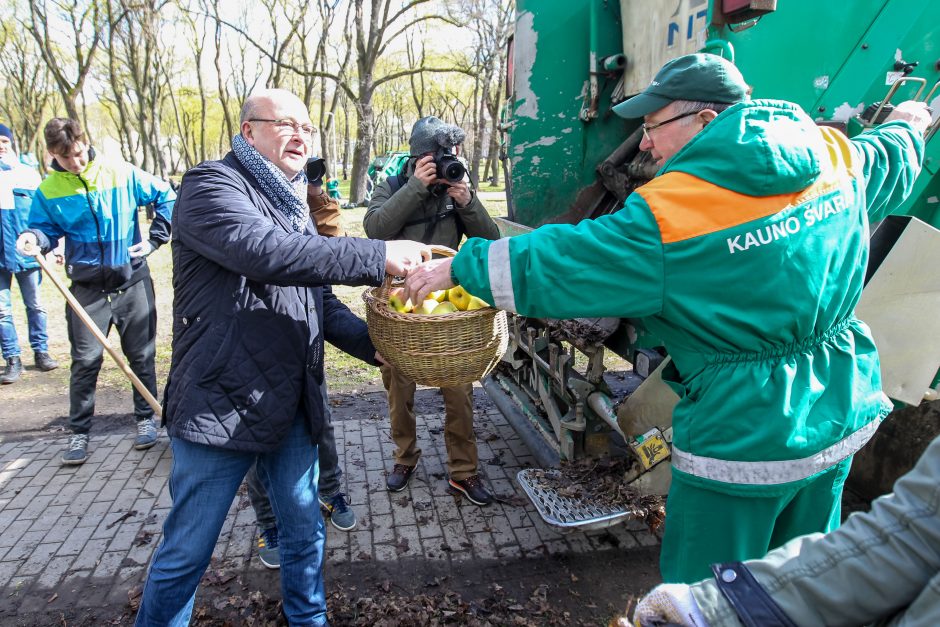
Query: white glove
27, 245
913, 112
669, 603
140, 250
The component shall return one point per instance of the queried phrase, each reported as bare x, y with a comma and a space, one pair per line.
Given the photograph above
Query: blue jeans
28, 281
203, 484
329, 483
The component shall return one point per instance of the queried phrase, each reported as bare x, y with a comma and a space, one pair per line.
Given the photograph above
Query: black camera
449, 168
316, 170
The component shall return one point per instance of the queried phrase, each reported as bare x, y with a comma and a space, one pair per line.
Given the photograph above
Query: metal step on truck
585, 393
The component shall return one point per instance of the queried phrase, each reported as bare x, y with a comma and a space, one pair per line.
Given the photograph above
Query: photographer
431, 201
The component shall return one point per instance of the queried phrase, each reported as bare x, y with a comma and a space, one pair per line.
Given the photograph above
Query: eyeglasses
651, 127
284, 126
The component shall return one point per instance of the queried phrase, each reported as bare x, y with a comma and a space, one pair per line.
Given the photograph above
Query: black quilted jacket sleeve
344, 330
215, 221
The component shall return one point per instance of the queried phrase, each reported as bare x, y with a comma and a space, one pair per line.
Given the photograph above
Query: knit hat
6, 132
701, 77
430, 134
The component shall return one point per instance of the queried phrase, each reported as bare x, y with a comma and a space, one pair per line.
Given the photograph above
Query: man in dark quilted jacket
250, 315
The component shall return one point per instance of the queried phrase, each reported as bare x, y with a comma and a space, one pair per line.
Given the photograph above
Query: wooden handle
88, 322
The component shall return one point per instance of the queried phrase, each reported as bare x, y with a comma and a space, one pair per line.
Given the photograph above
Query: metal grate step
563, 511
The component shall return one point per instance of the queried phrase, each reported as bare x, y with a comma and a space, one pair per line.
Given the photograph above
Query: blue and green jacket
17, 185
96, 212
746, 255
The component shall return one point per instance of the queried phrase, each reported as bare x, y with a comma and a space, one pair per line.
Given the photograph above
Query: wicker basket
436, 350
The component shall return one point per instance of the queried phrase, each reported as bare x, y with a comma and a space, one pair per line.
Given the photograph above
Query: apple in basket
398, 302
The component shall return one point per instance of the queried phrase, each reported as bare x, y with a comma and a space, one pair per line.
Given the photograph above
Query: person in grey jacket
421, 205
251, 311
881, 567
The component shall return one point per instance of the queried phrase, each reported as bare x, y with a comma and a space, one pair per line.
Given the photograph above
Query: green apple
444, 308
477, 303
459, 296
398, 302
427, 307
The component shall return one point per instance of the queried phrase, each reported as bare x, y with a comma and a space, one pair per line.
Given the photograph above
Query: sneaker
45, 362
267, 548
146, 434
78, 450
12, 372
399, 477
341, 517
472, 488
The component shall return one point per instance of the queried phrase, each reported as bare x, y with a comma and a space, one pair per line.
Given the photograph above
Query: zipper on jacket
97, 229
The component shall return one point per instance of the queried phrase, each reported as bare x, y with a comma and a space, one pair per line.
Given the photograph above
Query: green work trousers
705, 527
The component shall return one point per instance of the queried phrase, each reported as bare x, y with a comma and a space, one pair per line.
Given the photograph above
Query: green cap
701, 77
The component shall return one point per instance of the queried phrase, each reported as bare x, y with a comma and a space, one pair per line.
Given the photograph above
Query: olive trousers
458, 424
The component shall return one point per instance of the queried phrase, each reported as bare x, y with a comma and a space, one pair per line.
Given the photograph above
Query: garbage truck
576, 389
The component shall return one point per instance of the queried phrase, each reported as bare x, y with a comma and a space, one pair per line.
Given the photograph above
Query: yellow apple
438, 295
477, 303
459, 296
444, 308
398, 302
427, 306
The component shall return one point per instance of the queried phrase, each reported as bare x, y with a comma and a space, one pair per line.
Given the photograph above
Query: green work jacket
746, 255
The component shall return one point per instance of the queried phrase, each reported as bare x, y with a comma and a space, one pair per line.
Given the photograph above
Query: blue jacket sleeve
891, 157
150, 189
41, 224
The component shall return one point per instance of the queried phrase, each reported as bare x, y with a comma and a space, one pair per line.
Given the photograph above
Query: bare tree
26, 82
69, 72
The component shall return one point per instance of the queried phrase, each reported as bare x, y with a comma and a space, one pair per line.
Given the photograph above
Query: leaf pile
601, 484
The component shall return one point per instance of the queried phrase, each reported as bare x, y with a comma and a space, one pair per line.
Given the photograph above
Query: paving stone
7, 516
49, 518
25, 496
23, 547
74, 543
54, 572
90, 554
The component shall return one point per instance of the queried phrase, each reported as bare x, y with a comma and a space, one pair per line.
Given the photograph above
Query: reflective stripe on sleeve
772, 472
501, 275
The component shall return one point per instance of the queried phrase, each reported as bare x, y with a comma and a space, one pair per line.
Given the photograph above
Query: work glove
669, 604
140, 250
27, 244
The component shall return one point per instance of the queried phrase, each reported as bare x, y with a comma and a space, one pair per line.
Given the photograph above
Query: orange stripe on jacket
686, 206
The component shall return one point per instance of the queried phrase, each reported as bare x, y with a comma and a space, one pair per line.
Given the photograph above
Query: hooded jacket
407, 213
17, 185
746, 255
96, 212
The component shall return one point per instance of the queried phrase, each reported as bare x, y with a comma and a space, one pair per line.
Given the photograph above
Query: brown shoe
472, 487
398, 478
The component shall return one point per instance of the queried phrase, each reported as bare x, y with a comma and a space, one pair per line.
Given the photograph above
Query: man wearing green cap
746, 255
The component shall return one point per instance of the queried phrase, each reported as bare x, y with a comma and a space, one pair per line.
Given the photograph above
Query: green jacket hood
758, 148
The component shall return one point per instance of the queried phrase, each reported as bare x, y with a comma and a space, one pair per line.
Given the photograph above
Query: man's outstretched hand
27, 245
403, 255
428, 277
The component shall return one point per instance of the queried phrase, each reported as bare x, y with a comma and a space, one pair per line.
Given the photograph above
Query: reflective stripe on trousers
772, 472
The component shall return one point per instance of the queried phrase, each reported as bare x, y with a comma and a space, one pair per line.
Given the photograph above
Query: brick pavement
89, 531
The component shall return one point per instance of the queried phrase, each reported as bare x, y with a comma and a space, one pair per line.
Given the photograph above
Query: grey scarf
290, 197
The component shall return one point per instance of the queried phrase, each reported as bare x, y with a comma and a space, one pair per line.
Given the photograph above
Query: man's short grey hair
253, 102
688, 106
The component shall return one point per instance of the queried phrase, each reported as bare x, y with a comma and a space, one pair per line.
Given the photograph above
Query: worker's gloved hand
669, 604
27, 244
140, 250
912, 111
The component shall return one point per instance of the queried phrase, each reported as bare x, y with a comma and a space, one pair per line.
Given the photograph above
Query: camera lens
453, 171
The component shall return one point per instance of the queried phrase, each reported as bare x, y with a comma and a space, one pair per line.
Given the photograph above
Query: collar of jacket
59, 168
